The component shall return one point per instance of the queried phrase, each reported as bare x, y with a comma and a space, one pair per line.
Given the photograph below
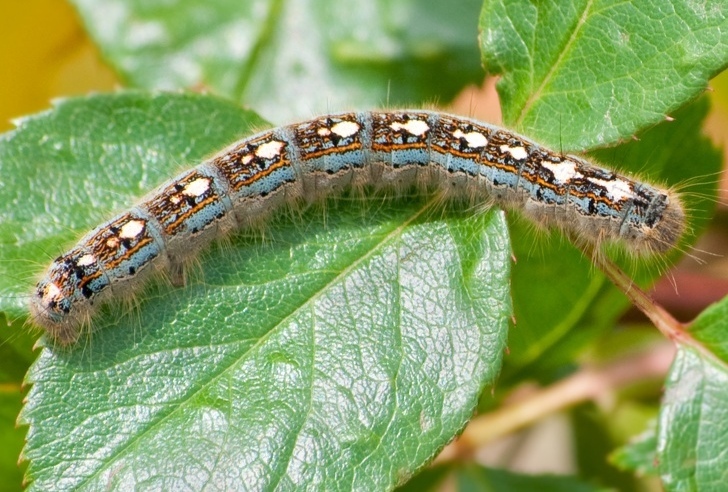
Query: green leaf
639, 455
348, 347
710, 330
587, 73
289, 59
476, 478
693, 422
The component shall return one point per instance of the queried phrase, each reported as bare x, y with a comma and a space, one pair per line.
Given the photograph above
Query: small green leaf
710, 330
640, 455
693, 422
348, 347
291, 59
591, 72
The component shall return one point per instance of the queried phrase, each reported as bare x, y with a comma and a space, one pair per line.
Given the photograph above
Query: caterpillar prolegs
397, 149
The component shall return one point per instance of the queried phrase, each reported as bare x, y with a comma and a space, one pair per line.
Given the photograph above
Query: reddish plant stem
670, 327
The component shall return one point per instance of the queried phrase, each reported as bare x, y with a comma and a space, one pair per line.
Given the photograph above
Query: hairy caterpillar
257, 174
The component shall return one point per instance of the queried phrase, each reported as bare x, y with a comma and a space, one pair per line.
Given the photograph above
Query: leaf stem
669, 326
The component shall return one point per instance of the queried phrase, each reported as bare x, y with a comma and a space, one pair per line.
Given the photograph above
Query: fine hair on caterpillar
236, 189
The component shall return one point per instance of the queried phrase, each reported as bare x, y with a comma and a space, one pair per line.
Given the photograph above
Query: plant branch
670, 327
590, 383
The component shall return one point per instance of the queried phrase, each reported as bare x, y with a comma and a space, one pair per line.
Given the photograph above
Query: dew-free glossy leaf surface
589, 73
693, 422
344, 350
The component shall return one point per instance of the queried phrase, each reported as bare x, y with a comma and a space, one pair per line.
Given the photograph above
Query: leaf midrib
536, 95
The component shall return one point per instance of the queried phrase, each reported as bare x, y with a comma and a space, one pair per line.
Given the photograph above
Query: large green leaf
348, 347
289, 59
586, 73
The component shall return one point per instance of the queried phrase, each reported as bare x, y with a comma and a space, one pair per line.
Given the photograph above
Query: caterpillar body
256, 175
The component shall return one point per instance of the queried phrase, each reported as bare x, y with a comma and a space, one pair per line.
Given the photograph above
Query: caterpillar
394, 149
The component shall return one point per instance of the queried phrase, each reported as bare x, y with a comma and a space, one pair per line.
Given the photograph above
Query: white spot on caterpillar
86, 260
269, 150
345, 128
518, 153
563, 171
131, 229
475, 140
413, 127
323, 132
51, 291
618, 188
197, 187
